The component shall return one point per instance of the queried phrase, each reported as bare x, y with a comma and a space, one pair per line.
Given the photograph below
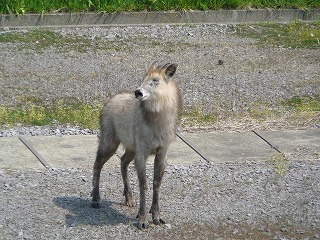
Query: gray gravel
103, 61
203, 201
244, 200
54, 130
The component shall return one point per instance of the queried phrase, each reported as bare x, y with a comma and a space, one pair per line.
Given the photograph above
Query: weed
303, 103
281, 163
197, 115
316, 155
258, 110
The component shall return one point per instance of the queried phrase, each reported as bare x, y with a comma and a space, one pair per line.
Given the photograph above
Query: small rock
235, 232
300, 231
220, 62
168, 226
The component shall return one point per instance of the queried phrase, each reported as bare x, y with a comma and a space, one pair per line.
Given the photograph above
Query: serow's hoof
95, 205
158, 221
142, 225
129, 203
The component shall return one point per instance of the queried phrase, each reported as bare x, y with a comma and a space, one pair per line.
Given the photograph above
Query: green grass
297, 107
297, 34
44, 6
35, 112
303, 103
40, 39
197, 115
295, 111
281, 163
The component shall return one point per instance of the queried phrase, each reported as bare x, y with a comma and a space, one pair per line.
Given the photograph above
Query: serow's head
156, 81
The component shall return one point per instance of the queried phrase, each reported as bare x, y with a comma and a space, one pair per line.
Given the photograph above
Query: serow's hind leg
104, 153
160, 163
125, 160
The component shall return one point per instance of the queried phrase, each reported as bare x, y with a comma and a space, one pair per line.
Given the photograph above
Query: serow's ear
170, 69
153, 66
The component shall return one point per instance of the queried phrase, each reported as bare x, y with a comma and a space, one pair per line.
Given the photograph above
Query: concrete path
161, 17
79, 151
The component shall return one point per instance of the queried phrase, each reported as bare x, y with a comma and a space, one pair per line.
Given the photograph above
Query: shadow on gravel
81, 212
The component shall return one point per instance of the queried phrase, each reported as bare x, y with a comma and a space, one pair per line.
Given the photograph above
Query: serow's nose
138, 93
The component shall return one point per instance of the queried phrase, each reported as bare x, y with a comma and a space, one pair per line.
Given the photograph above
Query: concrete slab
288, 141
14, 155
80, 151
68, 151
180, 153
159, 17
231, 147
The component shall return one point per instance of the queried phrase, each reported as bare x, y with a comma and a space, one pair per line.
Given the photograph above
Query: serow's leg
125, 160
140, 164
160, 163
104, 153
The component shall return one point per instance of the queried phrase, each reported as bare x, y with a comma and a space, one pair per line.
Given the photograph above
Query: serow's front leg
160, 163
141, 170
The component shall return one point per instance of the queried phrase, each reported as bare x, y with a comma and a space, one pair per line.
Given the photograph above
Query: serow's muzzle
138, 93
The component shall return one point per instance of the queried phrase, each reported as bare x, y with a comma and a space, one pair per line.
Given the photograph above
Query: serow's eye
155, 80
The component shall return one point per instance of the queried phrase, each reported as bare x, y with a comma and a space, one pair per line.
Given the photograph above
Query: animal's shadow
81, 212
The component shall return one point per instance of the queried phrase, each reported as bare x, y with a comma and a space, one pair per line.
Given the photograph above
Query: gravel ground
55, 130
244, 200
203, 201
98, 62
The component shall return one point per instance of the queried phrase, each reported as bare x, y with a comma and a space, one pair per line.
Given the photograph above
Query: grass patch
296, 111
197, 115
297, 34
35, 112
40, 39
303, 103
281, 163
20, 7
